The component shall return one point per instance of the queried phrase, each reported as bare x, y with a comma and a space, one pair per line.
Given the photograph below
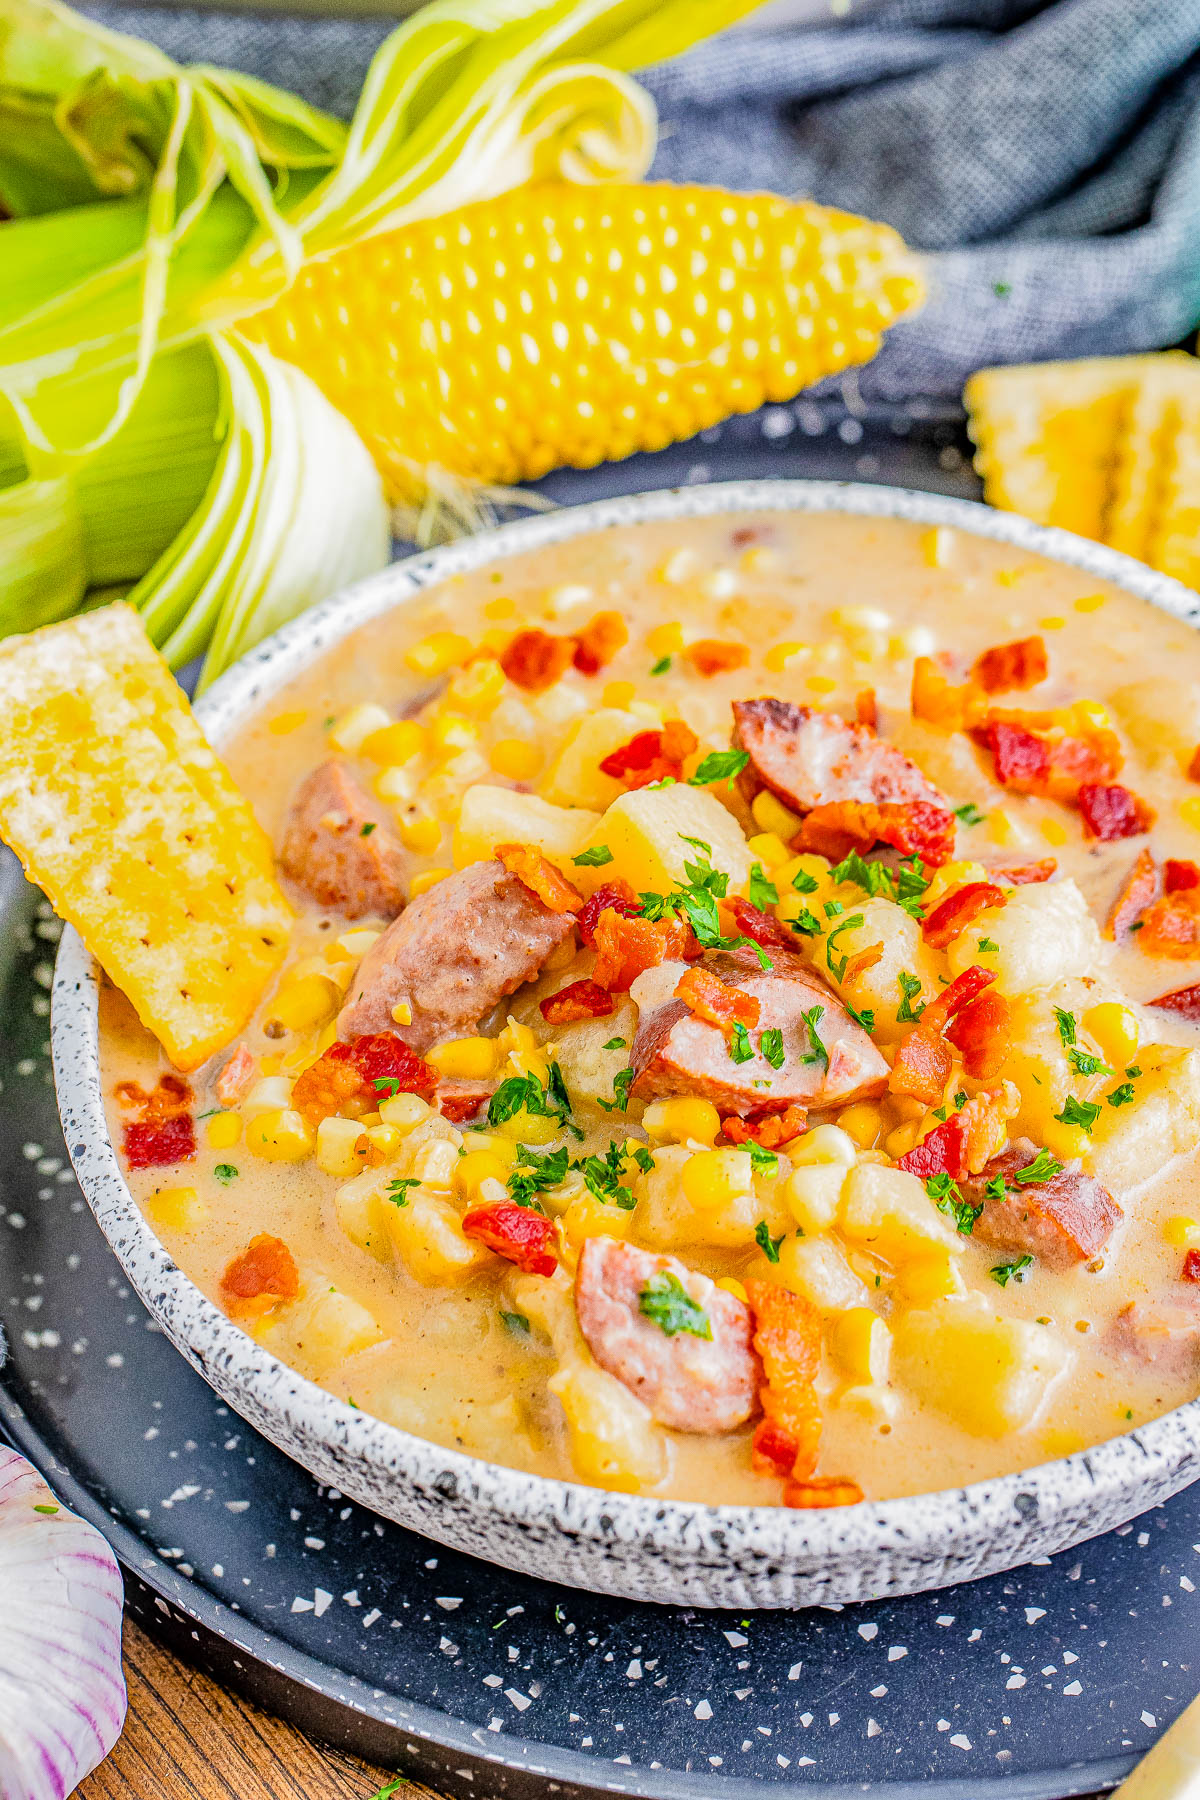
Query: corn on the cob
563, 324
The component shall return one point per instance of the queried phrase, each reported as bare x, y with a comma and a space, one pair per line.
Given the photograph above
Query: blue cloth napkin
1044, 153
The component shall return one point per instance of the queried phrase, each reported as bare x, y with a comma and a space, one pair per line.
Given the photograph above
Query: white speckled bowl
646, 1549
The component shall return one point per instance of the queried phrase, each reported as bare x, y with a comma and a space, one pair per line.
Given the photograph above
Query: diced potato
646, 829
587, 1217
817, 1268
1045, 933
550, 1308
1162, 716
575, 778
427, 1235
1037, 1058
614, 1441
328, 1326
589, 1070
990, 1375
813, 1194
877, 988
888, 1212
341, 1147
1131, 1144
500, 815
871, 1403
665, 1217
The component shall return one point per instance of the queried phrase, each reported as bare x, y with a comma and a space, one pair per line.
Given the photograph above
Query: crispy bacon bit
264, 1274
651, 755
461, 1100
168, 1098
770, 1129
913, 827
821, 1491
540, 876
787, 1336
535, 659
1138, 889
938, 701
152, 1146
615, 895
707, 996
980, 1032
1177, 876
1171, 927
943, 1152
749, 921
960, 909
1021, 664
351, 1079
866, 708
1111, 812
960, 992
1193, 768
581, 1000
1191, 1266
922, 1066
626, 948
1021, 757
1026, 874
235, 1079
984, 1120
860, 962
599, 641
712, 656
1184, 1001
517, 1233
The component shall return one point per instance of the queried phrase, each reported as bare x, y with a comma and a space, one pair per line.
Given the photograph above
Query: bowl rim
681, 1531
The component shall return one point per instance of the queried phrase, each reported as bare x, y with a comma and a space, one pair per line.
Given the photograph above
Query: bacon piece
651, 755
713, 656
953, 914
980, 1032
263, 1275
599, 642
1110, 811
937, 700
1021, 664
1171, 927
860, 962
866, 708
1184, 1001
1191, 1266
234, 1081
461, 1100
770, 1129
1064, 1221
913, 827
518, 1233
152, 1145
1033, 761
787, 1337
615, 896
749, 921
1162, 1333
942, 1152
352, 1078
922, 1066
708, 998
1021, 757
168, 1098
1193, 768
580, 1000
1138, 889
540, 876
822, 1491
1026, 874
535, 659
1178, 876
627, 947
959, 993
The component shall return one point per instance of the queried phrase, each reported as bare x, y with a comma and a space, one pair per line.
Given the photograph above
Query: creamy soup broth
491, 1361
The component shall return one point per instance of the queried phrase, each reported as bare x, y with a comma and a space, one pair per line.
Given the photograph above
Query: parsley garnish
960, 1100
996, 1188
1131, 1072
225, 1173
397, 1191
719, 765
622, 1081
1044, 1167
910, 987
595, 858
519, 1093
602, 1176
986, 944
666, 1303
838, 968
661, 666
387, 1084
1086, 1064
534, 1173
948, 1197
1078, 1112
368, 828
771, 1045
807, 923
904, 885
763, 893
762, 1160
803, 882
615, 1044
865, 1018
969, 813
515, 1322
644, 1159
1066, 1026
832, 909
1121, 1096
766, 1243
812, 1018
1003, 1273
741, 1050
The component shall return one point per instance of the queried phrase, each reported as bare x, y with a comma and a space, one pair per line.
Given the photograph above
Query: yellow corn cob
563, 324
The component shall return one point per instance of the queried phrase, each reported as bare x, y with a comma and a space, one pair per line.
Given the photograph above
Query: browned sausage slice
1165, 1334
809, 758
674, 1052
452, 955
339, 846
689, 1382
1063, 1221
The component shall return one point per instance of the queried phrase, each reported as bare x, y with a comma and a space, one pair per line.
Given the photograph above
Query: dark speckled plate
1044, 1683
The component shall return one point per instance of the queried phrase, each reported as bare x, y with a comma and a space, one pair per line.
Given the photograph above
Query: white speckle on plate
703, 1711
867, 1632
370, 1618
960, 1741
519, 1700
873, 1728
1149, 1719
448, 1602
1033, 1614
1073, 1687
897, 1652
1015, 1681
794, 1671
735, 1639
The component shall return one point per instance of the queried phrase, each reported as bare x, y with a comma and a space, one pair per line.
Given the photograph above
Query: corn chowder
737, 1040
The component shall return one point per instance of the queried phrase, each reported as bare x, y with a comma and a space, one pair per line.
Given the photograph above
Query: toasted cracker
123, 814
1174, 543
1144, 454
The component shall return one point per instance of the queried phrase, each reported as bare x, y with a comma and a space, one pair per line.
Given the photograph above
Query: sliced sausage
1164, 1333
339, 846
1063, 1221
674, 1052
809, 758
452, 955
689, 1382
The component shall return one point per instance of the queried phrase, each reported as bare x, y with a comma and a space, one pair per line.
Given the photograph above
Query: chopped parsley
986, 944
397, 1191
837, 966
910, 987
763, 893
1003, 1273
771, 1045
969, 813
807, 923
1002, 289
1086, 1064
225, 1173
719, 765
661, 666
368, 828
644, 1159
515, 1322
697, 903
741, 1050
1083, 1113
622, 1081
1066, 1026
996, 1188
903, 886
818, 1054
603, 1178
616, 1044
525, 1093
387, 1084
595, 858
1121, 1096
960, 1100
1131, 1072
666, 1303
1044, 1167
865, 1018
832, 909
803, 882
948, 1198
766, 1243
533, 1174
762, 1160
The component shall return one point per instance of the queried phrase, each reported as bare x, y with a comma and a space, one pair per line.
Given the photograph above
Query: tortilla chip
134, 829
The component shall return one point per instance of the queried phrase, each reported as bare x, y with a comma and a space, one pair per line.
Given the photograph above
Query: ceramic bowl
644, 1549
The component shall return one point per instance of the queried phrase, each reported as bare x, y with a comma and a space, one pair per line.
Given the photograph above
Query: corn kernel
1183, 1233
812, 1194
1000, 827
899, 1142
719, 584
758, 560
1065, 1141
1084, 713
1189, 812
348, 732
353, 945
438, 652
402, 1013
398, 742
341, 1147
500, 608
824, 1144
1114, 1030
780, 655
1052, 623
861, 1343
422, 836
404, 1110
665, 640
450, 731
272, 1094
398, 786
916, 640
515, 758
937, 546
495, 1145
465, 1059
305, 1002
873, 1404
1090, 603
950, 876
685, 1119
222, 1131
478, 687
863, 1122
934, 1275
282, 1135
178, 1208
566, 599
712, 1179
588, 1217
770, 814
284, 722
477, 1166
680, 566
770, 850
421, 884
529, 1128
384, 1141
1054, 831
820, 684
618, 694
733, 1286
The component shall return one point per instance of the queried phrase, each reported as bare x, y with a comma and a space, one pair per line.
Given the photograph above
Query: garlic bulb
62, 1694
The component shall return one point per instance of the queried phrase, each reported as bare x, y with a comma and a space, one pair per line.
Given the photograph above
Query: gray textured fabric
1045, 153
